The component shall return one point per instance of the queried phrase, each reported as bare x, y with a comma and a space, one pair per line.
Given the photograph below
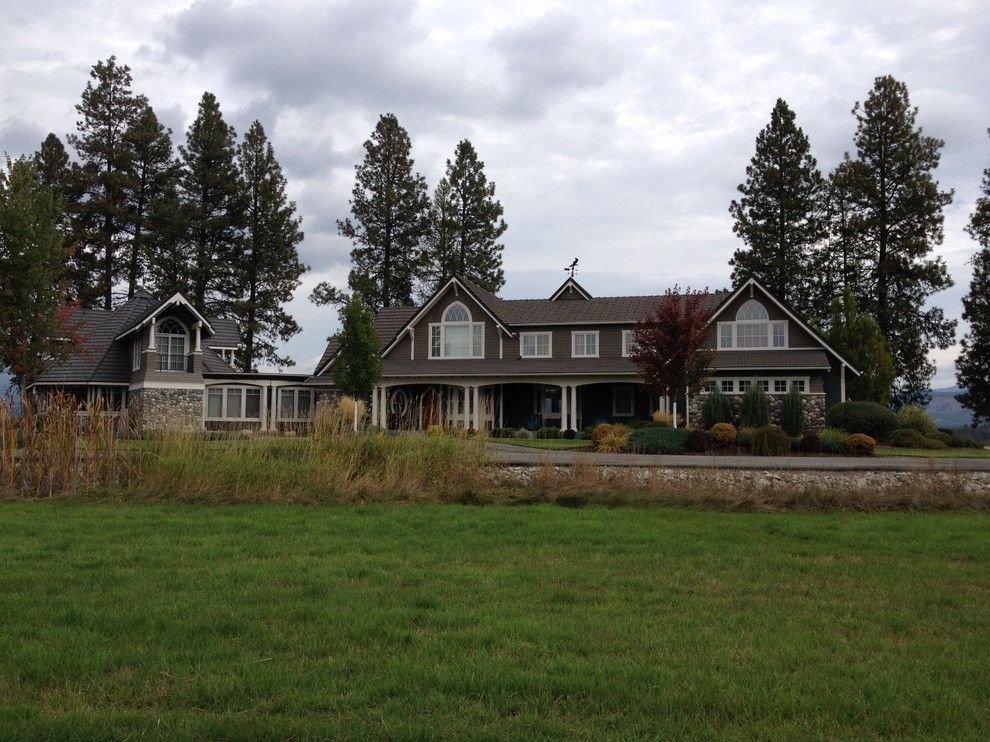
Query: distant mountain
945, 410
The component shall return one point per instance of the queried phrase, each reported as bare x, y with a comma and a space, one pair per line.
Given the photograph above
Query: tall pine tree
107, 111
897, 221
154, 170
465, 225
779, 217
858, 338
388, 221
269, 271
55, 172
973, 364
206, 215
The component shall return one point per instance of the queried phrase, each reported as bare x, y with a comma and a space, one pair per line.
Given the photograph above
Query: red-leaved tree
670, 345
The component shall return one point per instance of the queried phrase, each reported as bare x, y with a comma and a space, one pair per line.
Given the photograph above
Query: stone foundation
814, 409
160, 409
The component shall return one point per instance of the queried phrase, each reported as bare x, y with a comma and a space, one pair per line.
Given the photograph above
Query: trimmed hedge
771, 440
697, 441
860, 445
870, 418
658, 440
754, 410
548, 433
503, 432
910, 438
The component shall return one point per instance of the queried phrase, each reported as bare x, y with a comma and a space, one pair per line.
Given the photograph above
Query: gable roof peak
570, 289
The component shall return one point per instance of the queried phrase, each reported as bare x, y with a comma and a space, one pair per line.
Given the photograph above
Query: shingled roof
388, 322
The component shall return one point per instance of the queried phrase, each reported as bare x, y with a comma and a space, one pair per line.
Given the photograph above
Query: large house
464, 358
469, 358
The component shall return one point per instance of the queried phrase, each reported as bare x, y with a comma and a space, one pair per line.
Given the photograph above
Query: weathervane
571, 268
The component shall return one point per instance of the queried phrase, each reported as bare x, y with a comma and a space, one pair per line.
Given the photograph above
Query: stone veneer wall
814, 408
156, 409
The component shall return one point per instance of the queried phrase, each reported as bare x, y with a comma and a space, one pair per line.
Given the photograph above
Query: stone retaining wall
814, 409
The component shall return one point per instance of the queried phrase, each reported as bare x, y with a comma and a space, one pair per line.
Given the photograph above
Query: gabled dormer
570, 290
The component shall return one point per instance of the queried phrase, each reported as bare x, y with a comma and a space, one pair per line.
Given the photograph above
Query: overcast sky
616, 132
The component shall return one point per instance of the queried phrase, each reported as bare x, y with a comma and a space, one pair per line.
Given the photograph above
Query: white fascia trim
570, 282
429, 305
764, 369
785, 310
167, 385
176, 298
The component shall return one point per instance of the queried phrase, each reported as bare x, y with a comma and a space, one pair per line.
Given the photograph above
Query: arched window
752, 311
456, 336
171, 339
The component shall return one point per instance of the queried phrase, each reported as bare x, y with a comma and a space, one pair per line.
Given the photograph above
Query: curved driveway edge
501, 453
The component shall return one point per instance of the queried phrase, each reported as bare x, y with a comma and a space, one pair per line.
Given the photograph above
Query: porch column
477, 408
467, 407
383, 407
151, 340
563, 408
199, 336
501, 405
263, 402
842, 383
574, 407
374, 406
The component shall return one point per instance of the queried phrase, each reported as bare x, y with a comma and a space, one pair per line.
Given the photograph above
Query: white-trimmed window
171, 340
752, 329
623, 401
799, 384
456, 336
295, 404
584, 344
628, 341
536, 344
769, 385
226, 355
728, 385
745, 384
780, 386
233, 403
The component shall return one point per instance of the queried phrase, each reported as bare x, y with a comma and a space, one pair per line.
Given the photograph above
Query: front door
548, 405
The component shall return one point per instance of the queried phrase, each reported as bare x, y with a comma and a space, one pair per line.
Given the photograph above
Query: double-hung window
171, 340
628, 341
233, 403
295, 404
535, 344
584, 344
456, 336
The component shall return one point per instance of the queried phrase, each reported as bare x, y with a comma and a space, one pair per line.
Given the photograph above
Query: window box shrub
833, 440
697, 441
914, 417
754, 410
869, 418
860, 445
547, 433
658, 440
723, 435
771, 440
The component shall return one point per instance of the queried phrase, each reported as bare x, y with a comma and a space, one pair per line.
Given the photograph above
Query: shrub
771, 440
744, 437
754, 410
614, 441
697, 441
961, 440
503, 432
658, 440
637, 424
716, 409
811, 442
910, 438
860, 445
914, 417
663, 419
792, 412
570, 434
523, 433
723, 435
603, 430
946, 438
870, 418
833, 440
435, 431
548, 433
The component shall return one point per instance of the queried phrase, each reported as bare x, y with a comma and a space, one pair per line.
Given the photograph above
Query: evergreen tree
897, 221
858, 338
269, 271
107, 111
973, 364
62, 177
169, 254
33, 325
210, 213
154, 169
465, 225
359, 363
388, 219
779, 217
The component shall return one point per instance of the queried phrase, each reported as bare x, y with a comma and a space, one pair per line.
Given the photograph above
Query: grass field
943, 453
395, 621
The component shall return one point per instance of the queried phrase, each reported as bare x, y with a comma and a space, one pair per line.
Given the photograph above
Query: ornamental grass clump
792, 413
716, 409
771, 440
833, 440
754, 410
914, 417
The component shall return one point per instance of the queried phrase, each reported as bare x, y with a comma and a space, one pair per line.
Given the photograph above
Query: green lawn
420, 621
926, 453
555, 444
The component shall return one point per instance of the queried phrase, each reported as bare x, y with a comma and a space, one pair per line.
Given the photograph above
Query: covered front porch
487, 404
